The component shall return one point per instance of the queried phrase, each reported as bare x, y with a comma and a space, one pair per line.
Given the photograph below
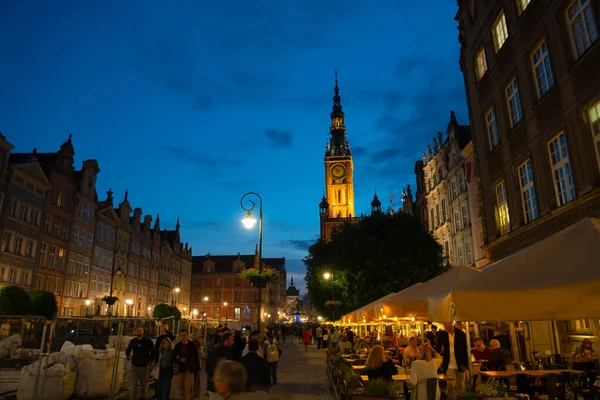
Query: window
499, 31
24, 214
432, 220
480, 63
30, 249
237, 296
583, 25
528, 198
437, 214
460, 258
13, 208
7, 242
43, 250
522, 5
47, 223
457, 227
443, 210
60, 265
514, 103
594, 115
465, 215
75, 234
542, 69
469, 253
503, 218
492, 128
34, 217
561, 170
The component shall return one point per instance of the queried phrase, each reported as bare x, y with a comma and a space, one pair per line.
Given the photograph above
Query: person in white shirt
258, 336
412, 351
423, 368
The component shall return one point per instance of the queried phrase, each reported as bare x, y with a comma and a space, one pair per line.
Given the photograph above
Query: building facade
337, 204
292, 299
219, 292
474, 202
530, 70
26, 190
77, 277
531, 74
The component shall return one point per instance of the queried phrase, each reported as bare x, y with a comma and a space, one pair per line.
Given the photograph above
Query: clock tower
337, 205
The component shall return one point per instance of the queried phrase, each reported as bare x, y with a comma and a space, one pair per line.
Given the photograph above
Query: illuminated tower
337, 205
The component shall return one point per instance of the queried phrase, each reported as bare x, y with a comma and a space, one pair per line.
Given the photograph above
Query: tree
164, 311
14, 301
43, 304
376, 256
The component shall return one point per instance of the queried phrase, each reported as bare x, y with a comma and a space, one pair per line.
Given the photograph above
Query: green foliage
164, 311
14, 301
379, 255
267, 274
43, 304
381, 388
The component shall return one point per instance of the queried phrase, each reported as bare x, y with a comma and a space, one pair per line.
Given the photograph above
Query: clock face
338, 171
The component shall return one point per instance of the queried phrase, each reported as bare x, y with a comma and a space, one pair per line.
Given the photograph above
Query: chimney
137, 216
147, 224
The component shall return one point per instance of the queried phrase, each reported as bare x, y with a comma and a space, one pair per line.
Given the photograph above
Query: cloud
198, 158
298, 244
279, 138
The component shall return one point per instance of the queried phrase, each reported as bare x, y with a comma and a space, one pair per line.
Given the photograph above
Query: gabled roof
31, 168
223, 264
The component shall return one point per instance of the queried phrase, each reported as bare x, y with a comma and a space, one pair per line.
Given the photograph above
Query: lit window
499, 31
542, 69
594, 115
492, 128
522, 5
503, 218
583, 25
528, 198
481, 63
514, 103
561, 170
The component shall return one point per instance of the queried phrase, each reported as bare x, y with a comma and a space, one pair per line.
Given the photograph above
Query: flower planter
363, 397
258, 281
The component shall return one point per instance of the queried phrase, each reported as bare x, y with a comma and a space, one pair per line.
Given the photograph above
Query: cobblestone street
302, 375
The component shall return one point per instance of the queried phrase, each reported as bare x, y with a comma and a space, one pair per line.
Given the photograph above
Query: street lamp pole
249, 224
327, 276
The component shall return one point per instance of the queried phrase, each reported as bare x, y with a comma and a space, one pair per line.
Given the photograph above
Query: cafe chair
430, 385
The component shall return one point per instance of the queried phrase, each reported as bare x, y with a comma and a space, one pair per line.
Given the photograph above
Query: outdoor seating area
539, 309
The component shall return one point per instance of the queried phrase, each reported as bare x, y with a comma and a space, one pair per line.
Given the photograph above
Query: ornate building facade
337, 204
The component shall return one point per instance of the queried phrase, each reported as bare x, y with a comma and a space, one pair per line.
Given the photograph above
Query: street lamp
225, 310
249, 221
195, 313
149, 310
129, 302
175, 292
328, 276
87, 307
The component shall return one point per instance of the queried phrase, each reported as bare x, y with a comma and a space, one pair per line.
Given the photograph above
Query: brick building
216, 278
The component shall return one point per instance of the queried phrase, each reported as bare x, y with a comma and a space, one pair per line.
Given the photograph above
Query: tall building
337, 205
77, 276
292, 298
531, 74
179, 259
26, 189
105, 239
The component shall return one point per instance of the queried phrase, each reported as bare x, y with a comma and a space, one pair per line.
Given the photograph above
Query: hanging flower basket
110, 300
259, 278
333, 303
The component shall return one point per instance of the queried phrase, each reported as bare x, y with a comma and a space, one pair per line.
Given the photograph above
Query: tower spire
338, 144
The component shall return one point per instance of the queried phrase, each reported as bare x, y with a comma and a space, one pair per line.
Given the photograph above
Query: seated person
379, 364
344, 346
481, 352
364, 344
412, 351
423, 368
500, 357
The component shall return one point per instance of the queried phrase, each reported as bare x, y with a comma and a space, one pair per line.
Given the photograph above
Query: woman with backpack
272, 352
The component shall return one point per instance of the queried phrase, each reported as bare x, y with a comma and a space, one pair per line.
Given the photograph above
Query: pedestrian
165, 364
166, 334
319, 336
257, 369
141, 352
452, 344
187, 360
272, 352
306, 339
218, 354
230, 381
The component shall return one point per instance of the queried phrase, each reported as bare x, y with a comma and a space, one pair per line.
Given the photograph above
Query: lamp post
149, 311
225, 311
129, 302
87, 307
119, 271
249, 221
328, 276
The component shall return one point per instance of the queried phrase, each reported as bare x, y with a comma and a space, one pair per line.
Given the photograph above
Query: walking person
142, 353
306, 339
452, 344
257, 369
187, 358
319, 336
272, 351
165, 363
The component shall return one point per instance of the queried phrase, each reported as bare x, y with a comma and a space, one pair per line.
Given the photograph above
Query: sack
156, 371
272, 353
325, 337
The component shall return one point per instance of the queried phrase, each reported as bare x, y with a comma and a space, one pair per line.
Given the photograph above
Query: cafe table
534, 373
406, 377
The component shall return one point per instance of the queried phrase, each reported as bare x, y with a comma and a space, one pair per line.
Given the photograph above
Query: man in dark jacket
166, 334
452, 344
500, 357
257, 369
222, 352
187, 356
238, 345
142, 354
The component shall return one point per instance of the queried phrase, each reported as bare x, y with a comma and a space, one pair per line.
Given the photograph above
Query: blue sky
190, 107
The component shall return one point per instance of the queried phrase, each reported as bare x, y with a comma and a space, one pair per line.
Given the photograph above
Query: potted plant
493, 389
110, 302
378, 389
259, 278
469, 396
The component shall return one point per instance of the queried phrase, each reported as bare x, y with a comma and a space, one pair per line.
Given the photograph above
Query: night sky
190, 107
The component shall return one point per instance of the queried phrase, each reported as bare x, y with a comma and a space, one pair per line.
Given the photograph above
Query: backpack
272, 353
